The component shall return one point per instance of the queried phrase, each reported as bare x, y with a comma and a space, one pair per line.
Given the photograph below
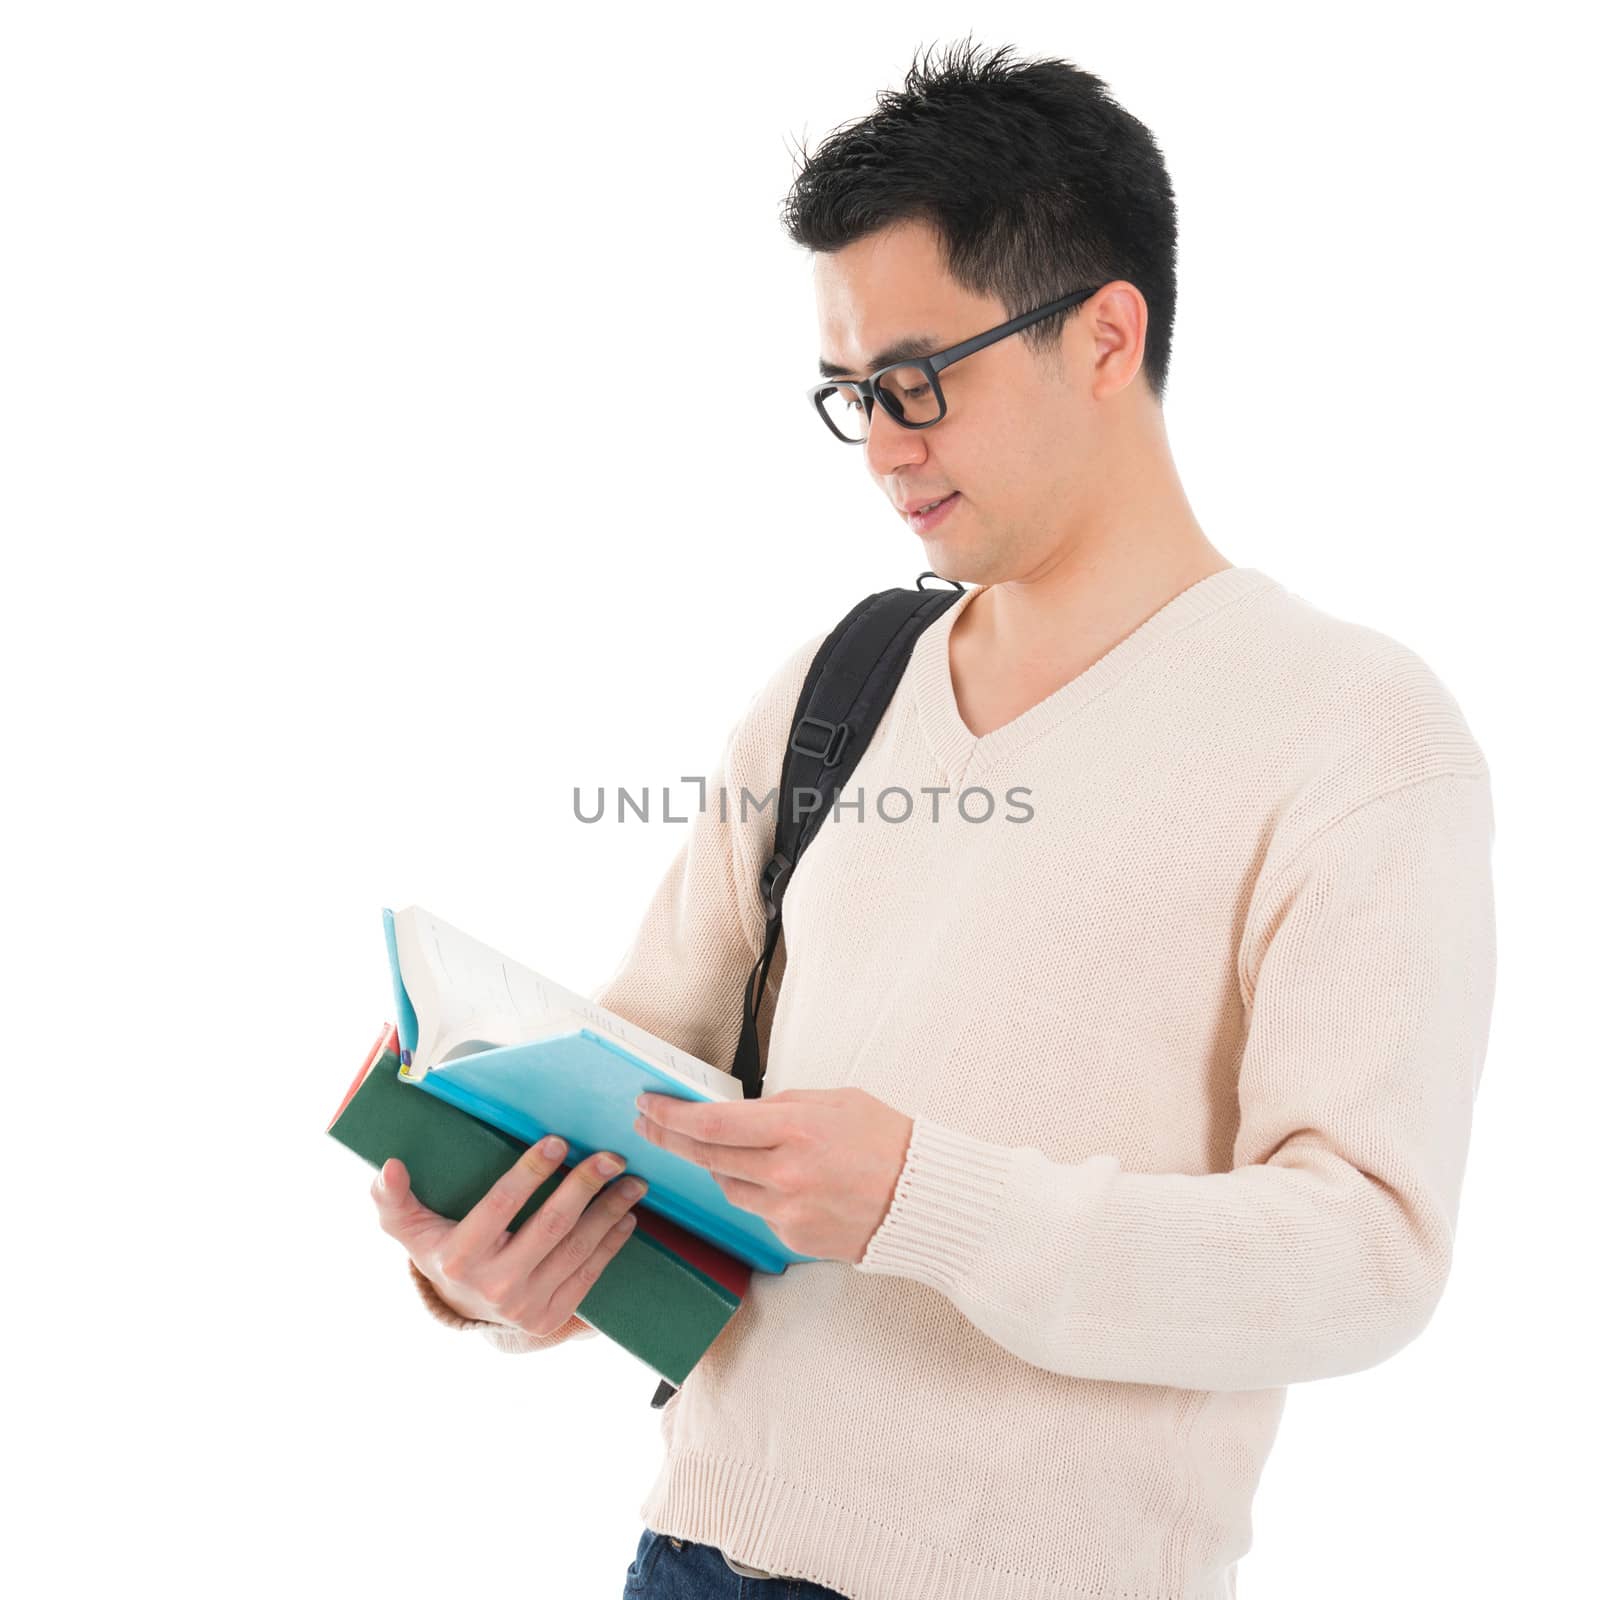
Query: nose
889, 445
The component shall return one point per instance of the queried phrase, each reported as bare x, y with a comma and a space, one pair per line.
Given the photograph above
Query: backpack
852, 678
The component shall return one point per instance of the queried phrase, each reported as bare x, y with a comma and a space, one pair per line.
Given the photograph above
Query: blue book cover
581, 1086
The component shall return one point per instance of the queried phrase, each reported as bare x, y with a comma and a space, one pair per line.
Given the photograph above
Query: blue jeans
665, 1568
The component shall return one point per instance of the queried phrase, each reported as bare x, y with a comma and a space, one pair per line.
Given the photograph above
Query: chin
948, 557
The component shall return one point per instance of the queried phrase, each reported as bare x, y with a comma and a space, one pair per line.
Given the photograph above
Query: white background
404, 422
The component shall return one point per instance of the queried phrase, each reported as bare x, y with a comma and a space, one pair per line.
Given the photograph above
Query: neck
1136, 547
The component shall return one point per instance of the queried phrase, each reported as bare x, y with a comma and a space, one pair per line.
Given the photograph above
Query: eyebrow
917, 344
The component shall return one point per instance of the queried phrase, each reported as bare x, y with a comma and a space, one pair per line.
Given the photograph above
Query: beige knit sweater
1191, 1053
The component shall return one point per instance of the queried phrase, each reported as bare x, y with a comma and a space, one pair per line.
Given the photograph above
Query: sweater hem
782, 1527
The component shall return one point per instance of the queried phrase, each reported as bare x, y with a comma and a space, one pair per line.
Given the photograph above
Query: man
1109, 1120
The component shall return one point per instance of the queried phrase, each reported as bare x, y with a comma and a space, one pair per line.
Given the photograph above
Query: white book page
466, 992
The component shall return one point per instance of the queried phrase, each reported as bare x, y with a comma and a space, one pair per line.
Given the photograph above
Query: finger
605, 1227
551, 1227
571, 1293
478, 1233
755, 1197
747, 1163
759, 1123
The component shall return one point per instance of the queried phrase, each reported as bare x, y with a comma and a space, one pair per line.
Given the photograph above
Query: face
1018, 440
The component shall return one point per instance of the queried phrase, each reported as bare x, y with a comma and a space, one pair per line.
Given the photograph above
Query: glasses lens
908, 392
846, 411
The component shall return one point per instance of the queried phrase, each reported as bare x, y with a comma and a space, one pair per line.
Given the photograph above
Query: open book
519, 1051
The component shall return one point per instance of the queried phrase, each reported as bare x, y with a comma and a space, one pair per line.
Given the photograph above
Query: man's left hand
818, 1166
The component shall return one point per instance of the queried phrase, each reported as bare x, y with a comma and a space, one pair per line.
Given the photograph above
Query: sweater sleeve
1325, 1249
684, 974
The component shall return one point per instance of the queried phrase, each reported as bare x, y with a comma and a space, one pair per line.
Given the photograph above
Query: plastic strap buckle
834, 735
773, 877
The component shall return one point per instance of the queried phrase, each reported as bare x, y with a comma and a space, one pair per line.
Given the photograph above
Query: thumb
400, 1213
393, 1182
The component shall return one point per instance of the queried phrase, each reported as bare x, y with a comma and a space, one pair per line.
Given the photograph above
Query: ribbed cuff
950, 1191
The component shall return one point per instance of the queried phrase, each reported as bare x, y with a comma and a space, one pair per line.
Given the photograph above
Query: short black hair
1036, 181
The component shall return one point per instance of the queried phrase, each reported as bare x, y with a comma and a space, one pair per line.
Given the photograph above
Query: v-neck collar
959, 751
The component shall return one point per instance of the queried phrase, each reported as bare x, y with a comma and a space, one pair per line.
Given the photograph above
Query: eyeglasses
909, 389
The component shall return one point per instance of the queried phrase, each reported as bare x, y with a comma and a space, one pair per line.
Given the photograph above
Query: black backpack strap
848, 687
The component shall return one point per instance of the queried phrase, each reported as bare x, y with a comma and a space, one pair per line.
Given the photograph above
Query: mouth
928, 513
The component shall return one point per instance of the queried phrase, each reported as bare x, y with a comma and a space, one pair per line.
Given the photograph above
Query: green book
664, 1297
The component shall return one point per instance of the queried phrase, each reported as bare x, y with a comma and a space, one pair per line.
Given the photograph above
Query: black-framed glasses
908, 390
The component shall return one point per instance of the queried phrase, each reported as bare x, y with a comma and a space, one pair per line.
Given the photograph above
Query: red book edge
729, 1272
387, 1034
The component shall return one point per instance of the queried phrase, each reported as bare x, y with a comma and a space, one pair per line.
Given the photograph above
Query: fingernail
550, 1148
609, 1167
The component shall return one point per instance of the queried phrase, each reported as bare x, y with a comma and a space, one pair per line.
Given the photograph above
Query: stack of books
486, 1057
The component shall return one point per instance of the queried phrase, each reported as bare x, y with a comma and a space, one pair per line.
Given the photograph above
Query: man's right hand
534, 1278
